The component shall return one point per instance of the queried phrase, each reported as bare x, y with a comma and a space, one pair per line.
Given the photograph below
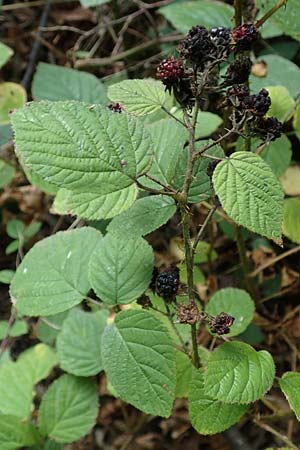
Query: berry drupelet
237, 94
167, 283
238, 71
115, 107
170, 72
220, 37
197, 46
267, 128
244, 36
259, 104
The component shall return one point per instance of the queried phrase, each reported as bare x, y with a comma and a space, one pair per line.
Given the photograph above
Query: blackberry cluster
244, 36
259, 104
221, 324
197, 46
220, 36
167, 283
238, 71
237, 94
267, 128
115, 107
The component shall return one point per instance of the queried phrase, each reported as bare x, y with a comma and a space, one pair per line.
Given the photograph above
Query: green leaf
184, 15
69, 409
209, 416
32, 229
19, 327
90, 3
139, 97
145, 216
75, 145
6, 276
237, 303
142, 369
6, 134
14, 433
7, 172
236, 373
282, 102
207, 123
72, 85
277, 154
48, 329
291, 219
169, 138
250, 194
15, 228
289, 77
5, 54
286, 18
204, 252
17, 379
94, 206
12, 96
296, 122
79, 342
121, 269
12, 247
184, 374
290, 386
53, 276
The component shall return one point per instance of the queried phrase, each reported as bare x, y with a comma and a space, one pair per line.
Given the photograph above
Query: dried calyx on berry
259, 104
238, 71
244, 36
221, 323
188, 313
167, 283
197, 46
267, 128
115, 107
236, 95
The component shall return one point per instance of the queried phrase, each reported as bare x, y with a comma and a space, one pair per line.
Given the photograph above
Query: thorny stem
270, 13
245, 263
276, 433
238, 12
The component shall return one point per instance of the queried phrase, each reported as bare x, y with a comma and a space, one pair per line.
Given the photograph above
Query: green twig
270, 13
238, 12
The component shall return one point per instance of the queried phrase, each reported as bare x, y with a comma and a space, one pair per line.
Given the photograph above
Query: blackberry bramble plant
137, 163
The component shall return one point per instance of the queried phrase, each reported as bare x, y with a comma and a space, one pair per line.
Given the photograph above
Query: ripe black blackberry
115, 107
167, 283
238, 71
237, 94
267, 128
244, 36
197, 46
170, 72
220, 37
259, 104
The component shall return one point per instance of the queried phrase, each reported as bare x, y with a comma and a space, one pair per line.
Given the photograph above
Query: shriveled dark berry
188, 313
197, 46
167, 283
244, 36
238, 71
221, 324
220, 37
267, 128
170, 71
144, 301
259, 103
236, 95
115, 107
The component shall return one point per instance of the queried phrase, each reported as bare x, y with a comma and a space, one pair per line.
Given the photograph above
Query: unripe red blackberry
115, 107
268, 128
167, 283
259, 104
221, 324
238, 71
170, 71
197, 46
244, 36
